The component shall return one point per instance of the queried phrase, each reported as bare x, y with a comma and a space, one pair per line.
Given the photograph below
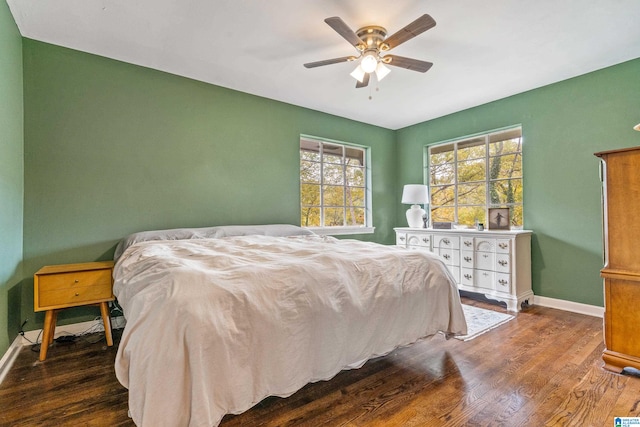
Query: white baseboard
9, 357
81, 328
574, 307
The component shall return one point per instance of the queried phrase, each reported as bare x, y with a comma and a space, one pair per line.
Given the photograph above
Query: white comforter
216, 325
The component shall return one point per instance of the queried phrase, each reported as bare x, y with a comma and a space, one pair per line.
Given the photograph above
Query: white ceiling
481, 50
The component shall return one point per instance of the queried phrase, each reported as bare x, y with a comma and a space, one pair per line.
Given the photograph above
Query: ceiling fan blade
408, 63
365, 81
417, 27
343, 29
329, 61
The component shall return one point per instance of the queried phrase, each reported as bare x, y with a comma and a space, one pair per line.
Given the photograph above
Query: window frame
487, 181
368, 227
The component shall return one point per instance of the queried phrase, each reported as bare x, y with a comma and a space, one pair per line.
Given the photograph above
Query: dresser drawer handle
503, 245
446, 241
425, 240
467, 258
446, 256
402, 239
467, 243
76, 281
77, 294
502, 282
503, 262
467, 276
485, 255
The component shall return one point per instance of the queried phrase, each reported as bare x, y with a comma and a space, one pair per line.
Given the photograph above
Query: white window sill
340, 231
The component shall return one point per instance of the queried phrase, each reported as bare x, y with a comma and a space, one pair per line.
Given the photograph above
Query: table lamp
415, 195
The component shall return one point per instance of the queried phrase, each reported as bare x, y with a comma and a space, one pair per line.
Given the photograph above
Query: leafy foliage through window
468, 176
333, 184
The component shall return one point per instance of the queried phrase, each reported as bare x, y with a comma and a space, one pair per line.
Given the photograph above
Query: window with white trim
471, 175
334, 189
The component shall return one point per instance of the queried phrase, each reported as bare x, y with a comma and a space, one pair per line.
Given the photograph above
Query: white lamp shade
382, 71
358, 74
415, 194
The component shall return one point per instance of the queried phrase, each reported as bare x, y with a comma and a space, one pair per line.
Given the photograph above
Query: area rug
480, 321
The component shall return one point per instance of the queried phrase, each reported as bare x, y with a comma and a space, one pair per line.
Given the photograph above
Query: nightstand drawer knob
77, 294
76, 281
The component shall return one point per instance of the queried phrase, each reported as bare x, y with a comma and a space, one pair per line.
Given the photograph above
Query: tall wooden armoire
621, 272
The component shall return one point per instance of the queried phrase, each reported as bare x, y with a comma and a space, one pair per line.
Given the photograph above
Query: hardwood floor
541, 369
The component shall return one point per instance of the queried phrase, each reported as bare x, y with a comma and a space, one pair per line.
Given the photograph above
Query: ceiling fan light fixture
358, 74
382, 71
369, 63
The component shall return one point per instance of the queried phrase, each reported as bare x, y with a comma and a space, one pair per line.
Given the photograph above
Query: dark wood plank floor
541, 369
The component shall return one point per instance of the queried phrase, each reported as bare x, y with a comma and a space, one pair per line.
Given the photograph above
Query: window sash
456, 169
341, 181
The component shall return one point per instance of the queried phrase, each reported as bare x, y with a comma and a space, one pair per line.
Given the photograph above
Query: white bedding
216, 325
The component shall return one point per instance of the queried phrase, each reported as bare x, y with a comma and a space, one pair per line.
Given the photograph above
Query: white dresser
494, 263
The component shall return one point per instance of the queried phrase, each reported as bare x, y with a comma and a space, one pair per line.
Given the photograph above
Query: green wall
11, 175
112, 148
563, 125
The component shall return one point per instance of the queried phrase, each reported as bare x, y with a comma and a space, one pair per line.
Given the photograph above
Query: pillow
274, 230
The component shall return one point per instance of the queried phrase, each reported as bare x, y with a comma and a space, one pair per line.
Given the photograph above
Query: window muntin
470, 175
333, 185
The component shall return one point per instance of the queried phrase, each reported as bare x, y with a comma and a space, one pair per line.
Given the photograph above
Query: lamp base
414, 216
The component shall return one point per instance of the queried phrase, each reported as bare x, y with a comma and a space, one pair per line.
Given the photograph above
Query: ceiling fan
372, 43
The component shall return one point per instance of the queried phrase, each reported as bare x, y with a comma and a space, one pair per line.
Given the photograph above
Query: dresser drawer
466, 276
485, 260
466, 259
451, 256
419, 239
467, 243
503, 263
503, 282
484, 279
450, 242
503, 246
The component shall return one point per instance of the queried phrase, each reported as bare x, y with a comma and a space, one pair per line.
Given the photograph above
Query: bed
219, 318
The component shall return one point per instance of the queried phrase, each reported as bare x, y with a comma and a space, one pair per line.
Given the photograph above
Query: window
334, 190
468, 176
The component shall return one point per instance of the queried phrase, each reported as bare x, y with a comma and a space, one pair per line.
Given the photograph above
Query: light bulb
382, 71
358, 74
369, 63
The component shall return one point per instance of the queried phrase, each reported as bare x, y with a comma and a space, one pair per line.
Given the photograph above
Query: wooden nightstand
56, 287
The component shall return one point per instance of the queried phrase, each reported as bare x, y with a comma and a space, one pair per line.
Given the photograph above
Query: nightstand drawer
76, 279
77, 295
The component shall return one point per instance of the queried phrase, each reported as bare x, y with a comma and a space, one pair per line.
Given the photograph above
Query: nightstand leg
106, 319
47, 334
52, 327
